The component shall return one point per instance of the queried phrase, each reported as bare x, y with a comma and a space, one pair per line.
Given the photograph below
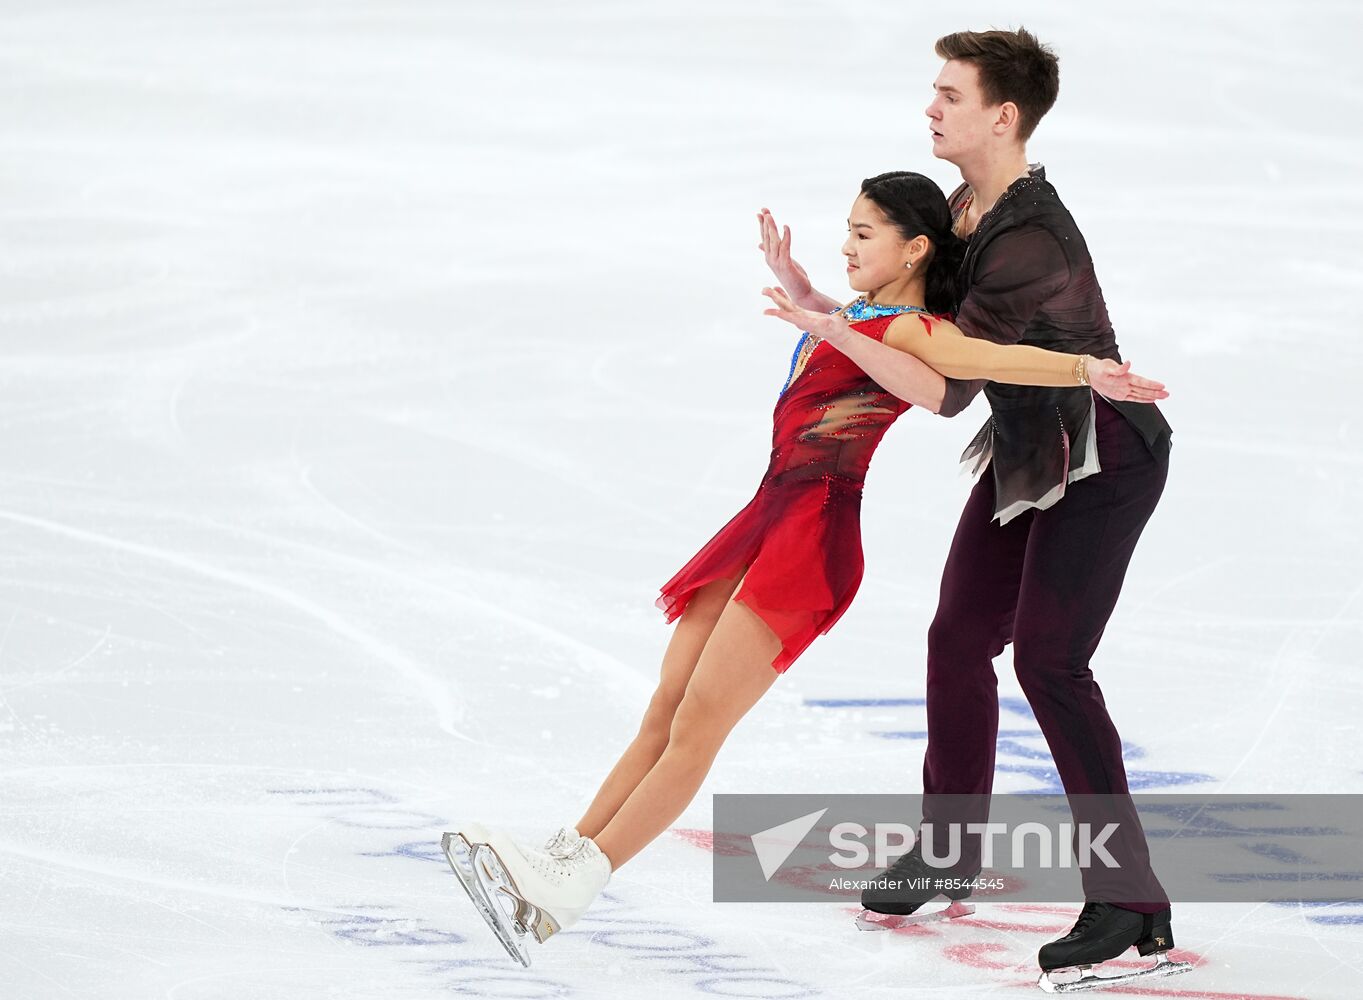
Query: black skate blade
870, 920
1090, 980
463, 860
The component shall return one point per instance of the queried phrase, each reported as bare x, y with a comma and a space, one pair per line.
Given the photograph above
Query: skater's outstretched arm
1020, 274
947, 349
791, 276
898, 363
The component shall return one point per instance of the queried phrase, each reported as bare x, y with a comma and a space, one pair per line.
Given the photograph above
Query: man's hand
1115, 381
827, 326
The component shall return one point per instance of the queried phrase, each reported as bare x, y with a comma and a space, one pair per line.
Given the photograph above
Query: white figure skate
522, 892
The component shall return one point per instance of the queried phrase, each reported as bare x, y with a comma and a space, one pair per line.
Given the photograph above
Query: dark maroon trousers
1047, 582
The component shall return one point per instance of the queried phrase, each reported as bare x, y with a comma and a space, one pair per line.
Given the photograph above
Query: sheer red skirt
799, 539
801, 548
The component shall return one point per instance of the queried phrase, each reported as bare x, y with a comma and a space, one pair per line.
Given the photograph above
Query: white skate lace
557, 868
585, 855
582, 853
561, 842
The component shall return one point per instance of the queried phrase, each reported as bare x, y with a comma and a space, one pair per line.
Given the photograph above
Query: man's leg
1077, 556
973, 623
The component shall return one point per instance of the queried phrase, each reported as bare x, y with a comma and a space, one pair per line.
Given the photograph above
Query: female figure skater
787, 566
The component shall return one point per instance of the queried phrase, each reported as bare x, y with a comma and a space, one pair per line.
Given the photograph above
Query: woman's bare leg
734, 671
679, 661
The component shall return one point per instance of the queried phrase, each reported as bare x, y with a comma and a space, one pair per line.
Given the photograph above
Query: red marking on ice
704, 839
976, 954
973, 954
729, 846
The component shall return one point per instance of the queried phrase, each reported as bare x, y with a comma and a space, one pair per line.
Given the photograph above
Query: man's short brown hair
1013, 66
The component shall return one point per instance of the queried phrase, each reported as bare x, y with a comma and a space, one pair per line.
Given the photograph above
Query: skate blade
461, 856
1090, 980
528, 917
870, 920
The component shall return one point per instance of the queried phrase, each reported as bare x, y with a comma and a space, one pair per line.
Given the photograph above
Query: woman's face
876, 252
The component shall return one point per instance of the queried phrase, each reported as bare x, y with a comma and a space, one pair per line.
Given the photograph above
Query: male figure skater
1070, 480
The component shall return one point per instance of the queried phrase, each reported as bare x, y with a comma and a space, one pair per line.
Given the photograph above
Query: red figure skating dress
800, 536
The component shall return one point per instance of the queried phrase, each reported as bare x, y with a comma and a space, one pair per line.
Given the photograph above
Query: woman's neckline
860, 304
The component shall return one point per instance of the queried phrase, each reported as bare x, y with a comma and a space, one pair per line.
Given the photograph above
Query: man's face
962, 124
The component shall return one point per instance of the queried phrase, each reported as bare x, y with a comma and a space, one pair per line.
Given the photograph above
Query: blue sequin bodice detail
862, 310
856, 312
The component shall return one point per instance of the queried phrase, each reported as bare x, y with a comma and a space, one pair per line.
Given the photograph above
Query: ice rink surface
368, 365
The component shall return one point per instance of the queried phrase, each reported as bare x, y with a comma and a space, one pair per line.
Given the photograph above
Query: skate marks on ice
433, 933
623, 681
434, 689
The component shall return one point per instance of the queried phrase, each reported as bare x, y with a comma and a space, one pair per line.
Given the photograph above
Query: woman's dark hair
915, 206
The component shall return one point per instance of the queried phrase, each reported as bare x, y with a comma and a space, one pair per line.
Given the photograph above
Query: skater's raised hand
1115, 381
828, 326
775, 246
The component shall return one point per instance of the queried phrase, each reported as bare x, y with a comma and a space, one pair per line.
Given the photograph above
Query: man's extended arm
1021, 270
944, 348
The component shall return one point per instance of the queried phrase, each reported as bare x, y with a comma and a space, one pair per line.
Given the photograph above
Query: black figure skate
907, 884
1103, 932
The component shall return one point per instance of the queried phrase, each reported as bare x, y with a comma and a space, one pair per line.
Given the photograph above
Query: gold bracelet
1081, 371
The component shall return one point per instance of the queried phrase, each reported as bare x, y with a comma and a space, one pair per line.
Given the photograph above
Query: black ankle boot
910, 882
1104, 931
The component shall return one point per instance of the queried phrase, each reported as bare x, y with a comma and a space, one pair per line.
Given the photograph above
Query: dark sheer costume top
1027, 278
